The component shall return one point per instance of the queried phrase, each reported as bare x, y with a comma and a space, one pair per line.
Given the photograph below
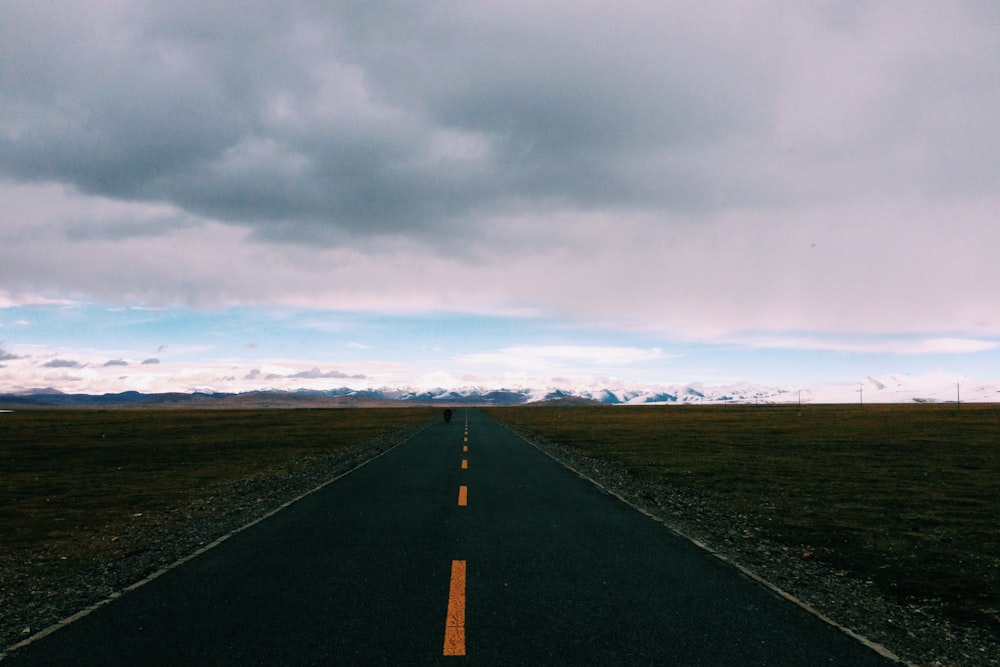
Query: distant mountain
44, 398
933, 388
37, 392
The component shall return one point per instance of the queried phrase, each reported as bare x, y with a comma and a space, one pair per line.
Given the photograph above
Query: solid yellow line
454, 626
465, 464
465, 449
463, 496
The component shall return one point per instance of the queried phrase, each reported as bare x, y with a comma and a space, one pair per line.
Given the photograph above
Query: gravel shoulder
915, 634
29, 605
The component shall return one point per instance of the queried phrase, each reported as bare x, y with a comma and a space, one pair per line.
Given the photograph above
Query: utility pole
958, 394
861, 394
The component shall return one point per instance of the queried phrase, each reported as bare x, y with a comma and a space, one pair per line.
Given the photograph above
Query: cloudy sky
233, 196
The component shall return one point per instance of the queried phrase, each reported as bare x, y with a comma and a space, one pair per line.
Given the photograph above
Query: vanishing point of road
464, 544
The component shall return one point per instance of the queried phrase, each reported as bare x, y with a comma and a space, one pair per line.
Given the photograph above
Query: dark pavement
362, 573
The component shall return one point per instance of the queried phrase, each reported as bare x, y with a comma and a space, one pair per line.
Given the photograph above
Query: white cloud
694, 171
870, 345
27, 367
949, 346
891, 268
541, 358
9, 300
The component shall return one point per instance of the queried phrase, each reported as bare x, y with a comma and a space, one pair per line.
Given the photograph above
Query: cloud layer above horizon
745, 171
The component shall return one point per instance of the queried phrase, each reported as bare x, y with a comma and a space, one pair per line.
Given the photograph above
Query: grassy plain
906, 496
73, 481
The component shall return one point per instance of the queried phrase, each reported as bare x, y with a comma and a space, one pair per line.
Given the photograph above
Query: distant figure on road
447, 414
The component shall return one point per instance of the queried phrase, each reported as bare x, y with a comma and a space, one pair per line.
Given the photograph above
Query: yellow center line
463, 496
454, 626
465, 464
465, 449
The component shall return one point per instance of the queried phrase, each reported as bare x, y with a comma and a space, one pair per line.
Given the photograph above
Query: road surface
464, 545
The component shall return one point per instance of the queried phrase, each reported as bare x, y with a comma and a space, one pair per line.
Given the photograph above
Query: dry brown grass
73, 481
907, 496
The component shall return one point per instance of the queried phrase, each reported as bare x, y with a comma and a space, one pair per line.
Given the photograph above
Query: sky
227, 197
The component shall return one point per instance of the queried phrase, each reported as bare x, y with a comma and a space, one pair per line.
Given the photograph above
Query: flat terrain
901, 499
457, 545
91, 500
905, 496
68, 475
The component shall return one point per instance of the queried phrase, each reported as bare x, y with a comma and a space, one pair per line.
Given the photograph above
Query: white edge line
41, 634
873, 645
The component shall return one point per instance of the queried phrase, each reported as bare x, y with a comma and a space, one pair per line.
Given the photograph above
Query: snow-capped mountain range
934, 388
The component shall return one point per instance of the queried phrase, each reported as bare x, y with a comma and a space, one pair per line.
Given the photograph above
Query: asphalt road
419, 558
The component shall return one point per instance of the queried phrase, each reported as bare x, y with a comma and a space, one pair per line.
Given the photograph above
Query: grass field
73, 481
907, 496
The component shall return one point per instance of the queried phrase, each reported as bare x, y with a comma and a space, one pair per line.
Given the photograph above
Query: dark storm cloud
579, 103
5, 355
111, 229
316, 373
312, 374
247, 116
834, 152
62, 363
307, 119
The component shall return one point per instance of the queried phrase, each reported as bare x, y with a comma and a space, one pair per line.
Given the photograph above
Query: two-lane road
464, 544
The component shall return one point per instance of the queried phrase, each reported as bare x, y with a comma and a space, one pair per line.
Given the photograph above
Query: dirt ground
915, 634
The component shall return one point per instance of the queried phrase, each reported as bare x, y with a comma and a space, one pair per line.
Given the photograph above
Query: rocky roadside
915, 634
28, 606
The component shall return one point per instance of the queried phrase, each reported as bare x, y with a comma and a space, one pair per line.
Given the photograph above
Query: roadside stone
915, 633
29, 606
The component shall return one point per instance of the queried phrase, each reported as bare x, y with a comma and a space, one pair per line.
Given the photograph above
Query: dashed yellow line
454, 626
